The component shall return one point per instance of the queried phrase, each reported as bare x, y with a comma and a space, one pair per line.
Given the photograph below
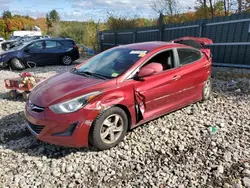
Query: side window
51, 44
166, 59
187, 56
59, 44
36, 46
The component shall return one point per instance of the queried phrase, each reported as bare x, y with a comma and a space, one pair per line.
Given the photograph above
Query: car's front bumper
70, 130
3, 65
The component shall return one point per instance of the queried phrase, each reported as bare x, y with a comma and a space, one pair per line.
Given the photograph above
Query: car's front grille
35, 108
37, 129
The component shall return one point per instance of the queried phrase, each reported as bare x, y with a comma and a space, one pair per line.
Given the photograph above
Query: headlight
74, 104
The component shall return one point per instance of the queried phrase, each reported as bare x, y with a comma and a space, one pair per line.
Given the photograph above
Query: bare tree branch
166, 7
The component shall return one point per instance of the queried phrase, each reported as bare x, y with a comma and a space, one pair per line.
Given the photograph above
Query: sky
83, 10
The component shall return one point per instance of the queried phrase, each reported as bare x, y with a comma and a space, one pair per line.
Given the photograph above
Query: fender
123, 96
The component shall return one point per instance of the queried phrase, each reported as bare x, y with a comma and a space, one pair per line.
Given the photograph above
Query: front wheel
17, 64
67, 60
207, 89
109, 128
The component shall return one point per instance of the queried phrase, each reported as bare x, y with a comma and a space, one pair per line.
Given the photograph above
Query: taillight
75, 46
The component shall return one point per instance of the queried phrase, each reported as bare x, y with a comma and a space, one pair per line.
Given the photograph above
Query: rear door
194, 70
53, 50
70, 48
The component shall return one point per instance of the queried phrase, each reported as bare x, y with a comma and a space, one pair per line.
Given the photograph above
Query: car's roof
58, 39
150, 46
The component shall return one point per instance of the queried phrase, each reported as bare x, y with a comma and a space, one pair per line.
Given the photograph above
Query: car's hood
8, 41
60, 87
9, 52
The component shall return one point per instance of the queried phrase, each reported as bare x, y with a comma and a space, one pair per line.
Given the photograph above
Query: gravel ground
203, 145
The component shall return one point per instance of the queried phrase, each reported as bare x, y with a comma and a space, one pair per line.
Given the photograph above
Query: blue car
40, 52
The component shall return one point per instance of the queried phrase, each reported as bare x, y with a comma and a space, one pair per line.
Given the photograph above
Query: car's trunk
196, 42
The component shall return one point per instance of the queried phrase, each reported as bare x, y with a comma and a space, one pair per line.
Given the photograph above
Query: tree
166, 7
115, 22
239, 6
219, 8
211, 8
6, 15
52, 18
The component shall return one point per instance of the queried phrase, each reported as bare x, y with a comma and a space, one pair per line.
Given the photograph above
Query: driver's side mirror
149, 70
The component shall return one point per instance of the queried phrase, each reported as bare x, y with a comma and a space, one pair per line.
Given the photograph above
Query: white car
1, 41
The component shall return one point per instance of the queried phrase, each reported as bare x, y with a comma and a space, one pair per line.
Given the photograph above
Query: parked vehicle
26, 33
101, 99
10, 43
19, 41
1, 40
40, 52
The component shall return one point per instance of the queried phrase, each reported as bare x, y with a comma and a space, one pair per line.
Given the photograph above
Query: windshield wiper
92, 74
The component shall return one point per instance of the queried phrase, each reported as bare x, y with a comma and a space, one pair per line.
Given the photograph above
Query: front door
35, 53
159, 94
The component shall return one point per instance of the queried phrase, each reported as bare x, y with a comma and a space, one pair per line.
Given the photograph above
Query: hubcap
207, 88
17, 63
66, 60
112, 129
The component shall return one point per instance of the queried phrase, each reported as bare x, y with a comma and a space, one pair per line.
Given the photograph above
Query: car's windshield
21, 46
112, 63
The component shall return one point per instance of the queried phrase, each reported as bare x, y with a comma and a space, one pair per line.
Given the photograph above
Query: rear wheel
109, 128
17, 64
67, 60
207, 90
13, 94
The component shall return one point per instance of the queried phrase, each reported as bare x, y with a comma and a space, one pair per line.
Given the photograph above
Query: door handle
176, 78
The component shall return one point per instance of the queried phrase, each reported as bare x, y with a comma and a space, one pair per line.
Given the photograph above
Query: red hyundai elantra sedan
98, 101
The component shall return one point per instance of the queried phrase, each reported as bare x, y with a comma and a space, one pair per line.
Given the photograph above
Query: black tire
13, 94
66, 60
98, 128
207, 89
17, 64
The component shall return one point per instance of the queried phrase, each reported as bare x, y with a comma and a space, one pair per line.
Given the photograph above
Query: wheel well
127, 113
8, 62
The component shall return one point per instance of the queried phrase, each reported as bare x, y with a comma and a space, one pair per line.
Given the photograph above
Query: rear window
52, 44
187, 56
68, 42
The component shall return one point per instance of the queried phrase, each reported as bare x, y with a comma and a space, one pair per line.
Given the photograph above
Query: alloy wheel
207, 88
67, 60
112, 128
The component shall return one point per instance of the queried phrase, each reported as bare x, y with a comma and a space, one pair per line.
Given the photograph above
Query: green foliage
76, 33
6, 15
116, 22
219, 7
81, 32
91, 35
52, 18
